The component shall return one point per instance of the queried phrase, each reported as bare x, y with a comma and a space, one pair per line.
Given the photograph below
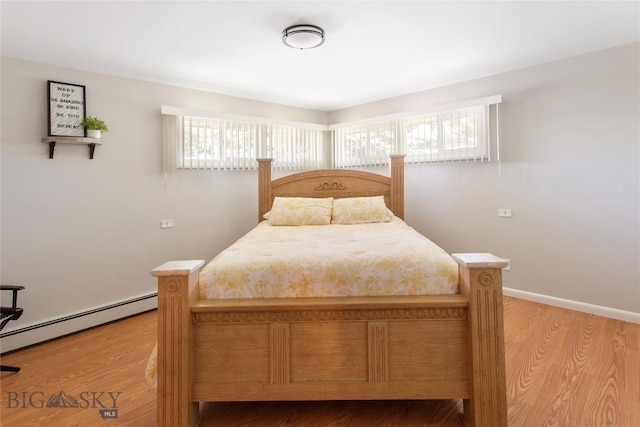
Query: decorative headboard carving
331, 185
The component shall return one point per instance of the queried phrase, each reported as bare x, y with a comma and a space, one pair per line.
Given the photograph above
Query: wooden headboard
336, 183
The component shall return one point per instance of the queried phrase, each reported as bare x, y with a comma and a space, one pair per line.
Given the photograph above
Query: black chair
10, 313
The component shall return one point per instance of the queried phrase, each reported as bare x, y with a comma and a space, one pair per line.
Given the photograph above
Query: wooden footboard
418, 347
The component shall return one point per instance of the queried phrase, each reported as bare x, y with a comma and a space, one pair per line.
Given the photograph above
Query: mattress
375, 259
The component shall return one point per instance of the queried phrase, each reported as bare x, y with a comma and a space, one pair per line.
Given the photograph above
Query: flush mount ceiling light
303, 36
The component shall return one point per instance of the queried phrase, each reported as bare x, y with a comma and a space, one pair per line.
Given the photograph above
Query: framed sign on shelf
67, 109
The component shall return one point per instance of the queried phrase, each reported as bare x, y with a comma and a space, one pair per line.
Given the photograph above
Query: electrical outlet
166, 223
504, 213
508, 267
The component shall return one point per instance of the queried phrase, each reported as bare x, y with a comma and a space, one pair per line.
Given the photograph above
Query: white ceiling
373, 49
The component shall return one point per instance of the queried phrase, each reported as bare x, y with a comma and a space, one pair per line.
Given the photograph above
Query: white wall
83, 233
570, 160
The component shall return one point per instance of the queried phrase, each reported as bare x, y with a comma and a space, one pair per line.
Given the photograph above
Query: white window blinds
457, 132
293, 148
234, 144
217, 144
447, 136
368, 145
454, 132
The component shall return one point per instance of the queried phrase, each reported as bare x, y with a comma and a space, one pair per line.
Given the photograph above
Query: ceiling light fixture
303, 36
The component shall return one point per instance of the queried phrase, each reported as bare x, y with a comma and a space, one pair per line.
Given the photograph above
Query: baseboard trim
43, 331
613, 313
38, 332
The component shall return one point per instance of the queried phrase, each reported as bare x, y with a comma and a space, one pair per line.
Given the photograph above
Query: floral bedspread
388, 258
374, 259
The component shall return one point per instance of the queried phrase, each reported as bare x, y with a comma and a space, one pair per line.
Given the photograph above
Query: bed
337, 347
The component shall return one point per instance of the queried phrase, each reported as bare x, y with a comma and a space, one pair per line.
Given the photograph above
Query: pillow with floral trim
360, 210
301, 211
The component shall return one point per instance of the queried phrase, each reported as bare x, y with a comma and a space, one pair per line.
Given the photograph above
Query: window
294, 148
452, 135
235, 144
368, 145
455, 133
217, 144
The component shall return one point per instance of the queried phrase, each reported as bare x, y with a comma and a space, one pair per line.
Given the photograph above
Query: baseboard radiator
35, 333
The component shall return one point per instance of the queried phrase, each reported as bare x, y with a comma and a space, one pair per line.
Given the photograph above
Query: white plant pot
92, 133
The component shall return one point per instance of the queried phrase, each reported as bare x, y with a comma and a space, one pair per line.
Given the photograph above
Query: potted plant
94, 126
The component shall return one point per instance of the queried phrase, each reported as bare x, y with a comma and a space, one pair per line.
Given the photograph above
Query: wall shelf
52, 140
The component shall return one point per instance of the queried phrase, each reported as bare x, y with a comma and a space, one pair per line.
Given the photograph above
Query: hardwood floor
564, 368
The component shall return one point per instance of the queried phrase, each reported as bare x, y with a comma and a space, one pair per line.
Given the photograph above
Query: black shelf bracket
52, 147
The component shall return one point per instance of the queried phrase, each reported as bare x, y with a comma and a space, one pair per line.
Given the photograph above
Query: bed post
177, 289
397, 185
264, 187
481, 283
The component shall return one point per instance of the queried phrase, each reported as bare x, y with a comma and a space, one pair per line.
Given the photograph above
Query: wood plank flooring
564, 368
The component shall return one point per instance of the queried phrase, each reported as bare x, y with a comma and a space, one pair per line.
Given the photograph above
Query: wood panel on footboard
353, 348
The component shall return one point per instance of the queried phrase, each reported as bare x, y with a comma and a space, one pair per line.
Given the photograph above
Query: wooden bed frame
353, 348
